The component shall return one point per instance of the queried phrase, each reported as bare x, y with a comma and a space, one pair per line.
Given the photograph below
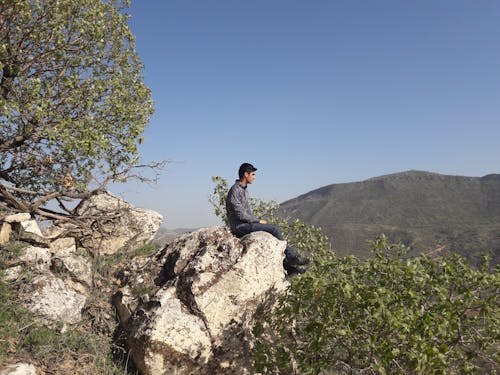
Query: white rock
5, 233
125, 304
38, 257
52, 299
18, 218
209, 285
52, 231
31, 226
12, 274
185, 333
126, 228
18, 369
79, 267
63, 246
241, 289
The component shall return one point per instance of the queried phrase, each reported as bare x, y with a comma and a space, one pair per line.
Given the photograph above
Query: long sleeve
242, 209
238, 207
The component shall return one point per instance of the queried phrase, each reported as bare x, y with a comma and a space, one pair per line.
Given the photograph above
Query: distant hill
424, 210
165, 235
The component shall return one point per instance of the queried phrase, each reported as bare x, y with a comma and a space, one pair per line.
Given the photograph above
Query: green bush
384, 315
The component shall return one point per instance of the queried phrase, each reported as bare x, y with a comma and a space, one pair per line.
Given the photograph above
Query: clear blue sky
313, 93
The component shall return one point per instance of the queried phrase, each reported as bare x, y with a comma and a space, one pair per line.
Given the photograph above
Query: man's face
250, 177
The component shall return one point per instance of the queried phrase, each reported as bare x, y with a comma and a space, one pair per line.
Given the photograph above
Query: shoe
298, 261
290, 270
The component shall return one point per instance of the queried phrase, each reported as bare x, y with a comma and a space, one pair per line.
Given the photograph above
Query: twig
26, 326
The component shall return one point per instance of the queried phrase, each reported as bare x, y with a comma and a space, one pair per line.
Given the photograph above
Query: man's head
247, 172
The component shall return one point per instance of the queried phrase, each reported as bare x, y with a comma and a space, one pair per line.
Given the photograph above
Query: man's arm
242, 209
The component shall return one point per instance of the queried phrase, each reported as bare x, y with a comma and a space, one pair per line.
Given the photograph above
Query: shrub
384, 315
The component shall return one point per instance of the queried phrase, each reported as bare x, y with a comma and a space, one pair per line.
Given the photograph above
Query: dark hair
245, 167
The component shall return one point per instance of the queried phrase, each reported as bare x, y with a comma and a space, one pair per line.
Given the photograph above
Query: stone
18, 369
53, 300
18, 218
78, 267
37, 257
78, 287
174, 329
123, 227
204, 290
12, 273
5, 232
27, 223
63, 246
53, 231
31, 226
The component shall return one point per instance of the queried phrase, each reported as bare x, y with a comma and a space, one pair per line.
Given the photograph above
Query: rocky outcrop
53, 277
190, 308
118, 225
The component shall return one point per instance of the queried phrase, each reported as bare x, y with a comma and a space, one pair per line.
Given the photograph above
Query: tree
73, 104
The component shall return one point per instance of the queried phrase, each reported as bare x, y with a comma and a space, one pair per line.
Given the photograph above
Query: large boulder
116, 224
52, 285
190, 308
51, 299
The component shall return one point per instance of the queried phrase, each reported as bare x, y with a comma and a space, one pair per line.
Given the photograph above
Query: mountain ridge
423, 209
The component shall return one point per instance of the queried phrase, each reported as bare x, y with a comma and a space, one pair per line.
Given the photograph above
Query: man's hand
262, 221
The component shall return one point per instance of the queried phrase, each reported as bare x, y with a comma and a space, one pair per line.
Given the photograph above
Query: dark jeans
244, 229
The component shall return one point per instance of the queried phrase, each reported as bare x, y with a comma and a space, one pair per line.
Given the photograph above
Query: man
243, 221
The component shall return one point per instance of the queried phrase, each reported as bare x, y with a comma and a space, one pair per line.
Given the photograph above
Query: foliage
144, 250
218, 198
384, 315
73, 104
21, 335
12, 249
140, 289
105, 261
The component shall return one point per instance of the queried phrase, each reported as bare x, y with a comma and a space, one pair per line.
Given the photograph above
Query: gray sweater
238, 207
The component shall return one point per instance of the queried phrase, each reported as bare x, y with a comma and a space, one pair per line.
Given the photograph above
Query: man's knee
274, 230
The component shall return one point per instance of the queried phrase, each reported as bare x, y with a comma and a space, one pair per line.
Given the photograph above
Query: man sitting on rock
243, 221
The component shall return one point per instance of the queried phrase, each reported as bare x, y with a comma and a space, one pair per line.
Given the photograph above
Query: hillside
424, 210
164, 235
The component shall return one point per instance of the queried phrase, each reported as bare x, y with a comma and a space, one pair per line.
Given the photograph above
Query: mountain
164, 235
423, 210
